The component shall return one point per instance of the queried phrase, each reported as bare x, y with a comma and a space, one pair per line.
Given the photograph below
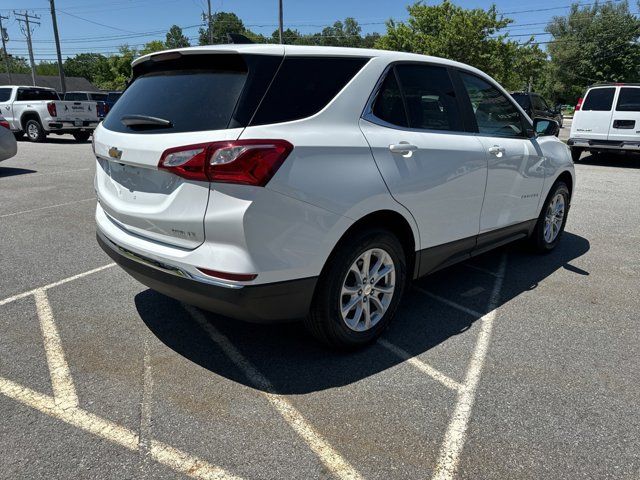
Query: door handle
496, 150
402, 148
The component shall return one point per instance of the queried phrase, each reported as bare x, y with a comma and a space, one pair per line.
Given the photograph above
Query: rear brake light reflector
51, 107
579, 104
5, 124
239, 277
247, 162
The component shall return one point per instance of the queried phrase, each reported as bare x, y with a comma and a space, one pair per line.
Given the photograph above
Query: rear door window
599, 99
429, 97
389, 105
628, 100
5, 94
305, 85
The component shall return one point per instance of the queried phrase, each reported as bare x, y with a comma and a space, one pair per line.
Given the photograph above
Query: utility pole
4, 48
25, 24
63, 83
209, 22
280, 23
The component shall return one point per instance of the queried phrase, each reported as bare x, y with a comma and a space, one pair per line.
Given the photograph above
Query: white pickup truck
38, 111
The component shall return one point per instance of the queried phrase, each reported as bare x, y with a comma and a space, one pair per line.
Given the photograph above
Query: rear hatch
625, 124
77, 112
178, 100
594, 117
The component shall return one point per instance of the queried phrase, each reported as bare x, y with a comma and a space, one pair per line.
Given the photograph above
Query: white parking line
446, 301
422, 366
47, 207
456, 434
162, 453
64, 392
55, 284
334, 462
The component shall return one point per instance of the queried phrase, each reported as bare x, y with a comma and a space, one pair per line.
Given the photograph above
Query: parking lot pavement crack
332, 460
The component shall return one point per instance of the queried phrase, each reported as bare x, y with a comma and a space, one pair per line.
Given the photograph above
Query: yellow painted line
456, 433
421, 366
55, 284
63, 390
332, 460
174, 458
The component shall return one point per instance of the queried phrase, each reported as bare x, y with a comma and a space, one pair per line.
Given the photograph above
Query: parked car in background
83, 96
8, 144
607, 118
112, 98
38, 112
276, 182
537, 107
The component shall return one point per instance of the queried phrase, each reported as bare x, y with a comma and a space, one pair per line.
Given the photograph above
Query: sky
101, 26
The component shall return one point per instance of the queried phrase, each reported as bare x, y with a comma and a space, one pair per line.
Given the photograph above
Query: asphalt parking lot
510, 366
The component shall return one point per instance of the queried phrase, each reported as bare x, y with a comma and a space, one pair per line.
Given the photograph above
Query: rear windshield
112, 97
629, 100
194, 93
98, 97
75, 96
522, 99
36, 94
599, 99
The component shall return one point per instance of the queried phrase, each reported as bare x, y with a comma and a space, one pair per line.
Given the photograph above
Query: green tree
92, 66
152, 46
47, 68
470, 36
119, 71
597, 43
221, 24
176, 39
16, 65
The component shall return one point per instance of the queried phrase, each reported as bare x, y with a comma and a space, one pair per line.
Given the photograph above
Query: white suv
269, 182
607, 119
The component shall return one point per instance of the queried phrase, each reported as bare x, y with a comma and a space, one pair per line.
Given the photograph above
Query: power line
25, 20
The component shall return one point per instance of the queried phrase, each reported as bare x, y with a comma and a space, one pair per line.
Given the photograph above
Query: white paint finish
442, 183
514, 182
331, 459
592, 124
64, 391
625, 134
456, 433
421, 366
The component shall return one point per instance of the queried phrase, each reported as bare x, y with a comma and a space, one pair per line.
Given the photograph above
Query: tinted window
599, 99
388, 105
629, 100
522, 99
192, 99
537, 102
494, 113
113, 96
430, 97
35, 94
5, 94
305, 85
98, 97
75, 96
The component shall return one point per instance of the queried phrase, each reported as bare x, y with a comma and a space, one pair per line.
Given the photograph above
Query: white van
608, 118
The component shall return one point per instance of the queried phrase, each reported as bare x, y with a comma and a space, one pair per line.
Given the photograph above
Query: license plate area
78, 123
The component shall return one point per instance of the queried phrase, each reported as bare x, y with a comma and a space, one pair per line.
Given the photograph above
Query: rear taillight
579, 104
238, 277
52, 109
5, 124
247, 162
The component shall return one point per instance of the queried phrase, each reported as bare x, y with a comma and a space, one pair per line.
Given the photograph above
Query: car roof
305, 50
27, 86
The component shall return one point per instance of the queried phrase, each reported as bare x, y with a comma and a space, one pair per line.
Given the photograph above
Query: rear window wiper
144, 121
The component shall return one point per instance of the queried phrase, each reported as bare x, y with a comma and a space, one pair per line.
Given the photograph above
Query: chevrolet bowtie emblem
115, 153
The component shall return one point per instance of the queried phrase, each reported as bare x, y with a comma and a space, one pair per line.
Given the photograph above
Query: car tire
550, 224
81, 136
35, 132
326, 321
575, 154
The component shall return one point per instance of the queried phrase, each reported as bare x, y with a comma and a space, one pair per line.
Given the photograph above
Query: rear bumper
604, 144
70, 126
265, 303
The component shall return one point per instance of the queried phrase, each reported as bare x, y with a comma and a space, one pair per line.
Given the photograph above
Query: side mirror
545, 127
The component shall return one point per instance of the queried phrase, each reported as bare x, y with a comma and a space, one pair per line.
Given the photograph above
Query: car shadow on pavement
12, 172
621, 160
294, 363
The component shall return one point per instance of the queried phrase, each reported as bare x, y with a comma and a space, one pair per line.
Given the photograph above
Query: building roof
73, 83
